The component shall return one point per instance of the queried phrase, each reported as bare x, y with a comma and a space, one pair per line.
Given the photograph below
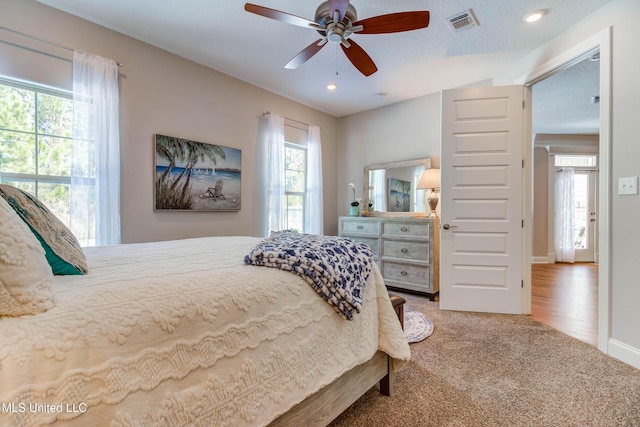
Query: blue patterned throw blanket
336, 267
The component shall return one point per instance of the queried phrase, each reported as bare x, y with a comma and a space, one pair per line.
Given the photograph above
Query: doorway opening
566, 295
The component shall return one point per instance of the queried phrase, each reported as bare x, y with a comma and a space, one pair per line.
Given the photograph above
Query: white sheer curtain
379, 182
313, 210
270, 172
564, 218
95, 205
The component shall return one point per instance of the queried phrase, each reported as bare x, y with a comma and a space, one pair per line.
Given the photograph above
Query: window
576, 161
295, 176
35, 145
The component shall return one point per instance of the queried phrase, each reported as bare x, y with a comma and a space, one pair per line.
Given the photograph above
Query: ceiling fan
336, 21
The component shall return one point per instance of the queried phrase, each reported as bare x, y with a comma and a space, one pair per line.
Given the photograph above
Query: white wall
163, 93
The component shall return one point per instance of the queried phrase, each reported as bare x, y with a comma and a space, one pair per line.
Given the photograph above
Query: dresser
405, 249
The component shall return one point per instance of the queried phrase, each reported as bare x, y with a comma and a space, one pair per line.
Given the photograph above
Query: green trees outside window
295, 178
36, 127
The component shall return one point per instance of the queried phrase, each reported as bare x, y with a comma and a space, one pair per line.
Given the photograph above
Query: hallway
565, 297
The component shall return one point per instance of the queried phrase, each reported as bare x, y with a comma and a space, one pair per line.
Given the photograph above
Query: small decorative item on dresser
354, 209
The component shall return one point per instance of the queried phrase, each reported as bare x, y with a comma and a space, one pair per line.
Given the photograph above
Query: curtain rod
268, 113
119, 64
580, 169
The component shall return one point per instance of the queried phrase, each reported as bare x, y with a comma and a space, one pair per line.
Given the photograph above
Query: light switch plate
628, 185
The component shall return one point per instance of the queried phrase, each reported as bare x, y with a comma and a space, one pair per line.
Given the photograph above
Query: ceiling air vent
462, 21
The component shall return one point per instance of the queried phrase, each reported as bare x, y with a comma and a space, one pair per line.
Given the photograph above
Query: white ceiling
563, 102
222, 36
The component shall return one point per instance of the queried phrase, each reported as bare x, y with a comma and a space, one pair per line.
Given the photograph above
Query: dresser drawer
405, 229
360, 227
405, 250
408, 274
373, 242
418, 251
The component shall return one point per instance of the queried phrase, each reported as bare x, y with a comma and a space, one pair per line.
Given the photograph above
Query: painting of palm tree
399, 196
196, 176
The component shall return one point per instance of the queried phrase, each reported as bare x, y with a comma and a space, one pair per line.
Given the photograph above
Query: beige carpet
501, 370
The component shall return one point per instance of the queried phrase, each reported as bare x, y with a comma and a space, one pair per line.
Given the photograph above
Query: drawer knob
404, 229
404, 273
404, 250
360, 227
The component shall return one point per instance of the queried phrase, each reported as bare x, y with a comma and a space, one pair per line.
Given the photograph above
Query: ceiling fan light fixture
534, 16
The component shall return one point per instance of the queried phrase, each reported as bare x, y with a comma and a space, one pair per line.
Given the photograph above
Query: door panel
481, 199
479, 243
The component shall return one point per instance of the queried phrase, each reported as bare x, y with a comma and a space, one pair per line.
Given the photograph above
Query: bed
185, 333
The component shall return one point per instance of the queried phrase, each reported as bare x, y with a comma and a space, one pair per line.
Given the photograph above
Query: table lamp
430, 180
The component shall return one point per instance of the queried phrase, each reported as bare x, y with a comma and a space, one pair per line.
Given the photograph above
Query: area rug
417, 325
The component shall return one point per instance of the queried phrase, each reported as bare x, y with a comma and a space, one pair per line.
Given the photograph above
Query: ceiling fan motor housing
335, 28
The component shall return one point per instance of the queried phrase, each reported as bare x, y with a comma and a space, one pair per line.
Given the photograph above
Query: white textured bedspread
183, 333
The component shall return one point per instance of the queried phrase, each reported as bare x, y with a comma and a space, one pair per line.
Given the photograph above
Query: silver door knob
447, 226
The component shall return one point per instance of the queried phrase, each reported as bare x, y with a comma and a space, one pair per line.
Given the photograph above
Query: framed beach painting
399, 195
195, 176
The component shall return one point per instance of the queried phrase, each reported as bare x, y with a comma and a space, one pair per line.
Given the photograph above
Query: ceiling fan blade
394, 22
279, 15
340, 6
359, 58
305, 55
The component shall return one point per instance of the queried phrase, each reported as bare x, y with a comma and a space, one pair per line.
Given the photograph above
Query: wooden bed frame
329, 402
325, 405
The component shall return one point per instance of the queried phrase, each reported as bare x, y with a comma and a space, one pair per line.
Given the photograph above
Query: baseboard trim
624, 352
549, 259
540, 260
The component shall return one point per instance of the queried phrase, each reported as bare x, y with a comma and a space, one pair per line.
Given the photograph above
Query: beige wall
163, 93
541, 220
404, 131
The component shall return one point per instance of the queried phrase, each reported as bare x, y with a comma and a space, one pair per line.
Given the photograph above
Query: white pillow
25, 274
61, 248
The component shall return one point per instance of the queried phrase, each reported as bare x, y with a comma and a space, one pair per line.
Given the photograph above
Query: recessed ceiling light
332, 86
534, 16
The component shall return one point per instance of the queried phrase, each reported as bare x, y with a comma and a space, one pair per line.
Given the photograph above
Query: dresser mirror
392, 188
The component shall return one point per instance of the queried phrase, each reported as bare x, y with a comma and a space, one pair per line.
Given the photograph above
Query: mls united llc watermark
22, 407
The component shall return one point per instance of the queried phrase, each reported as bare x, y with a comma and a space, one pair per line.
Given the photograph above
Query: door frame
600, 41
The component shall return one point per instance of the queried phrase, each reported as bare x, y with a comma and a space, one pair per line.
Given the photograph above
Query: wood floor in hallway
565, 297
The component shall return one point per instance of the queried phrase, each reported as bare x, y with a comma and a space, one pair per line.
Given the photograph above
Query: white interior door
481, 239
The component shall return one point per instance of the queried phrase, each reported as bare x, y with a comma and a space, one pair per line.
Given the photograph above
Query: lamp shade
430, 179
